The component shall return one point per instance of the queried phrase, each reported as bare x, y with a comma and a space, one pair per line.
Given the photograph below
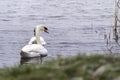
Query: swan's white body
35, 46
33, 50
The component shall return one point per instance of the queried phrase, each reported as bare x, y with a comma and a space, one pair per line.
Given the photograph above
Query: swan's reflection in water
36, 60
31, 60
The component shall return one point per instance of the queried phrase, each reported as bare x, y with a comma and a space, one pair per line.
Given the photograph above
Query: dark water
74, 25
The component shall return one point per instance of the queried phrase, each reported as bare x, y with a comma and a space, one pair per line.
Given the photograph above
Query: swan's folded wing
34, 48
32, 40
42, 41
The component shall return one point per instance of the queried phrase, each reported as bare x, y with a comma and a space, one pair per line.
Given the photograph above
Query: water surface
75, 26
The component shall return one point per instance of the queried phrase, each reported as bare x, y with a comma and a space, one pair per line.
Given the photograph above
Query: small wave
5, 20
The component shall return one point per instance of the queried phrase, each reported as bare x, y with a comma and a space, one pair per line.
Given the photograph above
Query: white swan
35, 46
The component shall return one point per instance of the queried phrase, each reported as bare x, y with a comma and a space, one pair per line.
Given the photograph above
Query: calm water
74, 25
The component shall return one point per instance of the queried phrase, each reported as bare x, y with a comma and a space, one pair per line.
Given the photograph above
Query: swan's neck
37, 35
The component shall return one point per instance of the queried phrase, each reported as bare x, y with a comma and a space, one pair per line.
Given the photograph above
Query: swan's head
42, 28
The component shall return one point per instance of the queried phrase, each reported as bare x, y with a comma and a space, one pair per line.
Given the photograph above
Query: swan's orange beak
46, 31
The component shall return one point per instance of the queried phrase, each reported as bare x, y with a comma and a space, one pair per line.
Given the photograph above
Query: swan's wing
42, 41
32, 40
36, 48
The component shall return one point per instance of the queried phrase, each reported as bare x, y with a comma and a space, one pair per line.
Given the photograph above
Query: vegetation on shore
80, 67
